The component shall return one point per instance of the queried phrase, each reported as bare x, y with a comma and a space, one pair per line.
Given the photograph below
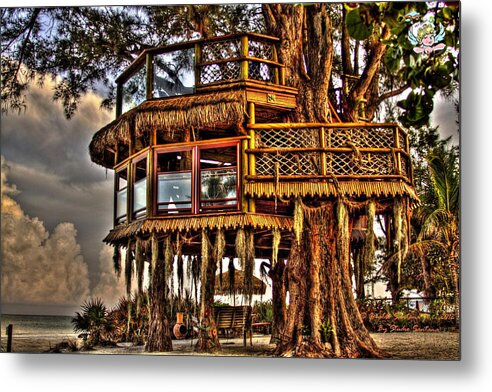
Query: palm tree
438, 217
92, 321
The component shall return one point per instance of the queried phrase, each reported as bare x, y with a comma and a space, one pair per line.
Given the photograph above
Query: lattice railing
238, 58
327, 150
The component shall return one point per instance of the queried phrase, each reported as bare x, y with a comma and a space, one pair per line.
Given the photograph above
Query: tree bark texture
159, 338
320, 287
208, 340
318, 270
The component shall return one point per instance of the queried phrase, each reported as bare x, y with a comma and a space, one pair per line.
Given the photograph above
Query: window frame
134, 162
196, 199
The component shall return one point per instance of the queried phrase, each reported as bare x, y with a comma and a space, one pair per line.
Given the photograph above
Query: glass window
121, 195
140, 188
174, 73
174, 182
134, 92
218, 178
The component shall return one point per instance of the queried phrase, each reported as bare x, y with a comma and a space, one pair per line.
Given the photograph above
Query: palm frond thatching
197, 223
219, 109
345, 188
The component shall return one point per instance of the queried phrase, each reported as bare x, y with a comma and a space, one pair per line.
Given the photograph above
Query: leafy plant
92, 322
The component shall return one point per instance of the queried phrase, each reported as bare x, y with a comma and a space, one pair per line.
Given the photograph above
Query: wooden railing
302, 152
186, 68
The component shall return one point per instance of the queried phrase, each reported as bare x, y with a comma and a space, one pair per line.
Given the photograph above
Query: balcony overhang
195, 223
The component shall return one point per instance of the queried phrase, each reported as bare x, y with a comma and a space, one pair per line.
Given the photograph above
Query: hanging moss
298, 219
369, 250
195, 272
219, 250
154, 256
241, 247
275, 246
168, 261
129, 269
139, 261
249, 266
398, 240
232, 276
117, 260
205, 260
179, 265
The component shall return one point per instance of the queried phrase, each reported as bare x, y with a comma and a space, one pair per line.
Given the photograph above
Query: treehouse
202, 143
201, 140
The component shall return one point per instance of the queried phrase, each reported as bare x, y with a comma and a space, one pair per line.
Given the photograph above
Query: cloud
110, 287
51, 167
38, 267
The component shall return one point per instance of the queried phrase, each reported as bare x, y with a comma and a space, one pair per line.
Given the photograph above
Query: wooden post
150, 183
396, 137
251, 157
10, 330
323, 153
129, 192
198, 69
275, 58
244, 170
149, 80
244, 55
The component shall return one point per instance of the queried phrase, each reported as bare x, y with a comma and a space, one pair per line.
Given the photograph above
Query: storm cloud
50, 165
38, 267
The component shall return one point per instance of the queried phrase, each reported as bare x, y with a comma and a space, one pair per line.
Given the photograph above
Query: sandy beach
403, 345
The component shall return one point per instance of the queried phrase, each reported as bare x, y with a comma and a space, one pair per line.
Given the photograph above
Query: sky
56, 208
57, 205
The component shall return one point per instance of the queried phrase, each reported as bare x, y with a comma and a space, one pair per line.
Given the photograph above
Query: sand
404, 345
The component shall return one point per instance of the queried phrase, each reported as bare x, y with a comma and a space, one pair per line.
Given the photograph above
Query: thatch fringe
196, 223
225, 109
345, 188
117, 260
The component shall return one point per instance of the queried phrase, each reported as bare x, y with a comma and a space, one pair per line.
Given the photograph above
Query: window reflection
140, 189
121, 195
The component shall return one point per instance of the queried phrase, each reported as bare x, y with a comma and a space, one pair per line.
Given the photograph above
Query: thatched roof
196, 223
212, 110
259, 287
347, 188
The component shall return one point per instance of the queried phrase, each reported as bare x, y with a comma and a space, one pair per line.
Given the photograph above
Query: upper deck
247, 60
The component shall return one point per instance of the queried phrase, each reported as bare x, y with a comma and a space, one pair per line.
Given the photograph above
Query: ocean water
36, 333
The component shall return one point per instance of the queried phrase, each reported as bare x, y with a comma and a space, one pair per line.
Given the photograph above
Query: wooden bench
234, 317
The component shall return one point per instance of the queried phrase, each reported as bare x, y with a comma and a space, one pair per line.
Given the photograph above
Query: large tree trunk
318, 276
159, 338
320, 287
277, 275
208, 340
